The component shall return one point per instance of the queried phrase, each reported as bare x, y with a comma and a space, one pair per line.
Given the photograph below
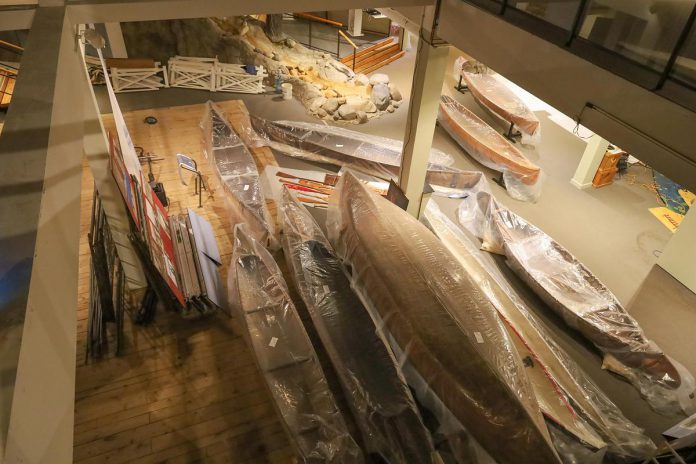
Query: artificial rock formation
326, 87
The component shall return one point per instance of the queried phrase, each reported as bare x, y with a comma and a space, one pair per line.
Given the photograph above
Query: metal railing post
577, 22
310, 33
338, 43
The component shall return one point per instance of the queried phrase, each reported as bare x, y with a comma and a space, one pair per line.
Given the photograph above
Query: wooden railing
310, 18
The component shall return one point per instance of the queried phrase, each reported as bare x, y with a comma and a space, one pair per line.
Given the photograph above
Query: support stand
500, 181
511, 136
463, 88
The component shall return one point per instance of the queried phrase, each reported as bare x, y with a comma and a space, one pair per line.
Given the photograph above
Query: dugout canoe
493, 95
566, 396
568, 287
372, 382
285, 356
449, 331
483, 143
235, 169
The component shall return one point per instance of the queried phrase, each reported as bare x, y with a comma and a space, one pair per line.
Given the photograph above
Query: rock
330, 93
379, 79
316, 104
394, 92
361, 103
347, 112
321, 112
361, 79
390, 109
276, 57
362, 117
396, 103
380, 96
290, 42
336, 116
331, 105
341, 100
330, 73
293, 72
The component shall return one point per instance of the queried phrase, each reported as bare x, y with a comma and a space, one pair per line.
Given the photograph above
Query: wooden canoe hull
484, 143
493, 95
416, 285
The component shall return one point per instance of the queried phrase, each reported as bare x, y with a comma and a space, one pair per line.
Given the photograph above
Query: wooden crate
607, 168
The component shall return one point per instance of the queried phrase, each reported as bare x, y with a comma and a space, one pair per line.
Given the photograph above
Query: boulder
361, 79
396, 103
390, 109
341, 100
380, 96
362, 117
330, 73
379, 78
361, 103
330, 93
347, 112
276, 57
316, 104
290, 42
394, 92
321, 112
331, 105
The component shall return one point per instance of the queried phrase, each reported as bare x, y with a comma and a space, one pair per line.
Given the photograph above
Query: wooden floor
185, 390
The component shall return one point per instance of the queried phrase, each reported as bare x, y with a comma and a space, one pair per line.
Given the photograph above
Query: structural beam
679, 255
590, 161
41, 155
114, 38
429, 76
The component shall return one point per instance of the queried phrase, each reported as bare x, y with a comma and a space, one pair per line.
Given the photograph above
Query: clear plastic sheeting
588, 419
584, 303
370, 154
493, 95
522, 178
286, 357
373, 384
236, 170
447, 329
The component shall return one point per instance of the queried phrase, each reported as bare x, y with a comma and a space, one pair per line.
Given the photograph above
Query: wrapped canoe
286, 357
566, 396
372, 382
446, 329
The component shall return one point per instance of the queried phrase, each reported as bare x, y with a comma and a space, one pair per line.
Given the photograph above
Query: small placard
273, 342
246, 187
479, 337
326, 289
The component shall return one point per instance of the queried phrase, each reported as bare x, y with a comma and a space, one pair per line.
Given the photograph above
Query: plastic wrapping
522, 177
585, 304
449, 331
236, 170
285, 356
568, 399
370, 154
373, 384
493, 95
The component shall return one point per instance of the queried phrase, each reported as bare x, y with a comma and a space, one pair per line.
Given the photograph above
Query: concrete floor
609, 229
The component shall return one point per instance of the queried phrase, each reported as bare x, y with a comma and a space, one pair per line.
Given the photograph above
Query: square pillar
590, 161
355, 23
420, 124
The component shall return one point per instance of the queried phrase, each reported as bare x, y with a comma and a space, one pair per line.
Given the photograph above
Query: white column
114, 37
590, 161
679, 256
355, 23
420, 124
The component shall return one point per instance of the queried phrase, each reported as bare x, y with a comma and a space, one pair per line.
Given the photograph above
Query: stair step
378, 65
349, 59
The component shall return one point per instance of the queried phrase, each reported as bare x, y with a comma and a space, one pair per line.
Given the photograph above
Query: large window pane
644, 31
685, 67
560, 13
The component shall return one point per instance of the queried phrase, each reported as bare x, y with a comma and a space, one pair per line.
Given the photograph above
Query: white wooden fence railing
139, 79
234, 78
192, 73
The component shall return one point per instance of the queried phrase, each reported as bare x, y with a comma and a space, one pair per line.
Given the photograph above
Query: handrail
347, 39
318, 19
12, 47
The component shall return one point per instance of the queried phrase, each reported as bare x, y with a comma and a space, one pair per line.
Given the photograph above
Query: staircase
375, 56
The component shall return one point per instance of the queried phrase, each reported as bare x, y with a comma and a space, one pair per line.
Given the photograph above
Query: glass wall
684, 69
560, 13
644, 31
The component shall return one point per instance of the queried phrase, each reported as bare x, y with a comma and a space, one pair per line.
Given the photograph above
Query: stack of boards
198, 257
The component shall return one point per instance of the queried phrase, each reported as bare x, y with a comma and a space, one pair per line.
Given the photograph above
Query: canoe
372, 382
483, 143
236, 171
493, 95
587, 305
373, 155
567, 398
285, 356
448, 330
